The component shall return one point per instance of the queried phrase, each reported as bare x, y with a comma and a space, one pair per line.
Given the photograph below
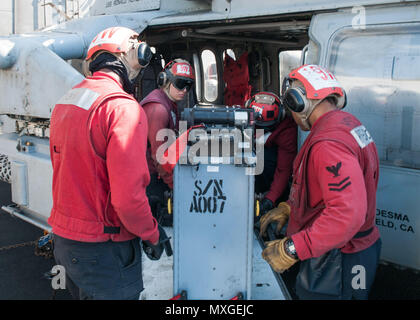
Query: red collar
323, 116
99, 74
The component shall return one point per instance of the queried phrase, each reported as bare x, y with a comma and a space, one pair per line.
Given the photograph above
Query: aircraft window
208, 60
288, 60
162, 61
230, 54
378, 70
196, 61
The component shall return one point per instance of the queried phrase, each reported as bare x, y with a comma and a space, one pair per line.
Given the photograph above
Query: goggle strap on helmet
265, 98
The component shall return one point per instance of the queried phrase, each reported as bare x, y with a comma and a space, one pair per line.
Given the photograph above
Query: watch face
290, 247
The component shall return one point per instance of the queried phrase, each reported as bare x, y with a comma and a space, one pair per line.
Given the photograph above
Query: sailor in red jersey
280, 148
160, 105
332, 203
98, 146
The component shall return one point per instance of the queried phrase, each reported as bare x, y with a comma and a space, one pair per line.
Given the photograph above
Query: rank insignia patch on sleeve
334, 169
340, 186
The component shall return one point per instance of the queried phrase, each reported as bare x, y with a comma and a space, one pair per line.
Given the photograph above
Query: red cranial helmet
124, 44
305, 87
179, 72
114, 40
267, 107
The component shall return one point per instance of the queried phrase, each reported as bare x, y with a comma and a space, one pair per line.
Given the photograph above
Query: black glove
266, 205
154, 252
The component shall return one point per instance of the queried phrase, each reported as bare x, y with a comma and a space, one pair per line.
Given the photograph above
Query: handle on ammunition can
257, 208
169, 206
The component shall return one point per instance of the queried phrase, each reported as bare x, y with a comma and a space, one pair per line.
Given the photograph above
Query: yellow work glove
275, 254
280, 214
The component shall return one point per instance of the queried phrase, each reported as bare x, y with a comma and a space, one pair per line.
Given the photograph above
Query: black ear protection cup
248, 103
282, 112
144, 54
162, 79
285, 85
164, 75
345, 100
295, 99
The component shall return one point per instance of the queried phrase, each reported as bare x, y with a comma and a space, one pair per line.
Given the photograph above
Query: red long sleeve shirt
284, 137
337, 193
100, 173
345, 211
125, 131
158, 119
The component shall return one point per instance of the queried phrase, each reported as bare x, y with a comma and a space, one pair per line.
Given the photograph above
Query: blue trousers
101, 270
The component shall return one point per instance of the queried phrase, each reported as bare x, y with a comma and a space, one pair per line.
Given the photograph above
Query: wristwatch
289, 246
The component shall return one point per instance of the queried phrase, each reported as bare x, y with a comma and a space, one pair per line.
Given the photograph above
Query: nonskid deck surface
158, 277
21, 271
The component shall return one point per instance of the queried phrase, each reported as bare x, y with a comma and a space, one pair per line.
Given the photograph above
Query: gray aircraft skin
372, 47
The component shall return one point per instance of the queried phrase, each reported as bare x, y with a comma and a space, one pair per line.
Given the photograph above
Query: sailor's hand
154, 251
266, 205
279, 215
275, 254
